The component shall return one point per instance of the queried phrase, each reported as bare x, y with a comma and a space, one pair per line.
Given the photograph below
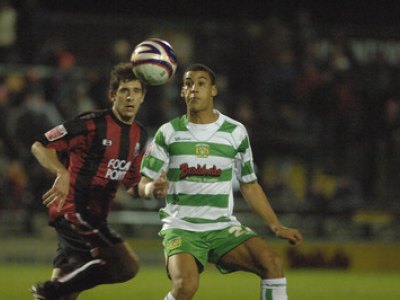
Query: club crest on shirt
56, 133
202, 150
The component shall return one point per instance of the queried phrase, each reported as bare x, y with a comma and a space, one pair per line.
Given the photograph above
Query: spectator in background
34, 115
390, 152
12, 173
55, 53
346, 197
82, 101
8, 32
120, 51
6, 141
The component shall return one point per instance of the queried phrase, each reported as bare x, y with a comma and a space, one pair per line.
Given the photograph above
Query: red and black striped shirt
101, 152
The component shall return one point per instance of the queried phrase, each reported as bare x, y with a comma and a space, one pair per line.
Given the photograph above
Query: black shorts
78, 245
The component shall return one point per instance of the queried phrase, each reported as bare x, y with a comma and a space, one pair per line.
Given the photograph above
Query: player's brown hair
122, 72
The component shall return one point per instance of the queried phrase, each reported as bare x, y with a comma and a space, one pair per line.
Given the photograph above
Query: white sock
273, 289
169, 297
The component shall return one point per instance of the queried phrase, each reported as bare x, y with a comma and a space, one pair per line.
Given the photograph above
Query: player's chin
193, 109
129, 115
129, 110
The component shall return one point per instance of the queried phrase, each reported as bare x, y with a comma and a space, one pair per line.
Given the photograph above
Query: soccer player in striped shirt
191, 162
103, 149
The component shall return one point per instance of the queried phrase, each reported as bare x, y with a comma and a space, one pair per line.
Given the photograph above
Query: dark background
327, 12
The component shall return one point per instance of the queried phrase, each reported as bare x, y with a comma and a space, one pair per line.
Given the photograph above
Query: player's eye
188, 84
123, 90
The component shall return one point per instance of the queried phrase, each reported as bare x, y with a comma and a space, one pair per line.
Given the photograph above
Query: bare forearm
258, 201
255, 196
153, 189
47, 158
142, 186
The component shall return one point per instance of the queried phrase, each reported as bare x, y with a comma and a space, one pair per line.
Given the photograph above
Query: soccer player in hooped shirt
191, 162
103, 149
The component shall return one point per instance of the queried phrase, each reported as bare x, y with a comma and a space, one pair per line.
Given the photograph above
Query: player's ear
214, 91
182, 92
144, 92
111, 95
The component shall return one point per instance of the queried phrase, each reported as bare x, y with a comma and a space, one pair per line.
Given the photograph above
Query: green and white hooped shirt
200, 160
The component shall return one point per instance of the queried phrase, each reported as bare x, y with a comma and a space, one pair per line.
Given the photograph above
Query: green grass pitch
152, 284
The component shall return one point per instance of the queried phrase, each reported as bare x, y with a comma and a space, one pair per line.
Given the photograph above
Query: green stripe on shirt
189, 148
202, 221
198, 200
152, 163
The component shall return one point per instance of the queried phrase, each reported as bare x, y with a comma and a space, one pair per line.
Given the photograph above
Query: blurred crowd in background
321, 103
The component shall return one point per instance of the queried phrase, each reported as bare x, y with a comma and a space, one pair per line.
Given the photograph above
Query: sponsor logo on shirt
56, 133
107, 143
198, 171
117, 168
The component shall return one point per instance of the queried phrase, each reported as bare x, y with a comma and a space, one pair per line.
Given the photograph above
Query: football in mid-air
154, 61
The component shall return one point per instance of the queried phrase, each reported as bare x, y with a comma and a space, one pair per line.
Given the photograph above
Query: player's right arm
154, 182
49, 160
154, 189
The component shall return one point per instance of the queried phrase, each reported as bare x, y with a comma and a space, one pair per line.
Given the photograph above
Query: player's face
127, 100
198, 91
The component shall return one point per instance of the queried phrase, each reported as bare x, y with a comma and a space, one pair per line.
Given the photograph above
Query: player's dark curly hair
122, 72
201, 67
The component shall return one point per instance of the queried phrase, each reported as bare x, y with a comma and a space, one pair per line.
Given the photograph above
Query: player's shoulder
142, 129
92, 114
231, 124
179, 123
79, 124
175, 125
171, 128
140, 125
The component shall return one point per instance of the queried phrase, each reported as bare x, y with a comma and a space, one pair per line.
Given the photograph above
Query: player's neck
123, 119
202, 117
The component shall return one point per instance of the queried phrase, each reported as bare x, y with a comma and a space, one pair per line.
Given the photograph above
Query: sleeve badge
56, 133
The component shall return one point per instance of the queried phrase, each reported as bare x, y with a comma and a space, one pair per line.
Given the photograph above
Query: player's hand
160, 186
58, 192
293, 236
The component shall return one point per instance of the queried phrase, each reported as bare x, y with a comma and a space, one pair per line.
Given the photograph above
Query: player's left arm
258, 201
133, 176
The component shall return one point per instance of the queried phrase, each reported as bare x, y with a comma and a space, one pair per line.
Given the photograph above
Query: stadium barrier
360, 255
141, 230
